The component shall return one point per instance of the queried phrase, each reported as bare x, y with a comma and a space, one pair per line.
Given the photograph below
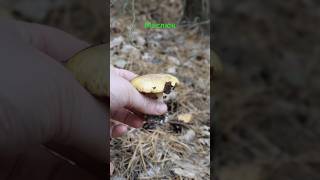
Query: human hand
42, 103
127, 104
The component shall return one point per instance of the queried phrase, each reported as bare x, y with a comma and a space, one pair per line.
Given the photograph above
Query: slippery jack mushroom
156, 86
90, 67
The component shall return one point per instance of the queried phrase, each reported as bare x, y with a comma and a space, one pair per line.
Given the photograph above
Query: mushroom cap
90, 67
153, 83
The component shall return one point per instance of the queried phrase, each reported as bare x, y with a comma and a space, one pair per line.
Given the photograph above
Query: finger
54, 42
128, 75
119, 130
114, 123
127, 117
140, 103
139, 114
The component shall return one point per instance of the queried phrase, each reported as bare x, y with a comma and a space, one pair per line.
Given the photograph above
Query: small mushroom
157, 86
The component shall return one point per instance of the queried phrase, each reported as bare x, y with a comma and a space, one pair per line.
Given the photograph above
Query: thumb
143, 104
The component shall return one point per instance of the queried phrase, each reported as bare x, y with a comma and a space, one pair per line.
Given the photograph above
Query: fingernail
161, 108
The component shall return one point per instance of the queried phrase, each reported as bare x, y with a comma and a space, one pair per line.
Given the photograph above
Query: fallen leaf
187, 117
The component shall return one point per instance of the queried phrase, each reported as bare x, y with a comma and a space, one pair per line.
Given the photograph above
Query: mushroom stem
159, 97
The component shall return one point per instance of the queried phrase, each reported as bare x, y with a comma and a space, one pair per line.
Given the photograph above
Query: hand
127, 104
42, 103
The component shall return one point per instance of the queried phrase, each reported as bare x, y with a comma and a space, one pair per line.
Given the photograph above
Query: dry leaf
187, 117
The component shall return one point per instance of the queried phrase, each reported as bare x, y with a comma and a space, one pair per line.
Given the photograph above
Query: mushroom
156, 86
90, 67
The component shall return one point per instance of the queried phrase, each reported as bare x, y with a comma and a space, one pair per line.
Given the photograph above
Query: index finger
55, 43
128, 75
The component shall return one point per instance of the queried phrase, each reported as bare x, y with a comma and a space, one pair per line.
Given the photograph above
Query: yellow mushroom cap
153, 83
90, 67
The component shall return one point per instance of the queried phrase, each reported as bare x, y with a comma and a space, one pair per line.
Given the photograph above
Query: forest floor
268, 98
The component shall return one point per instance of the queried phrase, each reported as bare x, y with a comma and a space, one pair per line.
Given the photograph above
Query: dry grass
141, 150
